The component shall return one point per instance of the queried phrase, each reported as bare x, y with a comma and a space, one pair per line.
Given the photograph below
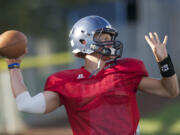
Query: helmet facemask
107, 48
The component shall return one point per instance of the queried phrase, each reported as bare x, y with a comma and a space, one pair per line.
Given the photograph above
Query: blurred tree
37, 16
40, 18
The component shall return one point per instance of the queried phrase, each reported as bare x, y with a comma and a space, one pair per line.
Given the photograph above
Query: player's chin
108, 57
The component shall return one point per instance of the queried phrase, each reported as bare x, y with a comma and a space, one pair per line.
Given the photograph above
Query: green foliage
40, 18
37, 16
74, 3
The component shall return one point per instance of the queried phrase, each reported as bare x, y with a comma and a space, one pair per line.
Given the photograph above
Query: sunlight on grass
150, 126
175, 128
165, 122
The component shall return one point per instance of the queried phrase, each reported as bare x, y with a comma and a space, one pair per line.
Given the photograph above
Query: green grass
42, 61
166, 122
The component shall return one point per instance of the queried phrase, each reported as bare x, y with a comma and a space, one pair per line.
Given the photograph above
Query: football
12, 44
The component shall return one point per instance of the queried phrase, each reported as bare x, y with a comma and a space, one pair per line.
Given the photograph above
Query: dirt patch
44, 131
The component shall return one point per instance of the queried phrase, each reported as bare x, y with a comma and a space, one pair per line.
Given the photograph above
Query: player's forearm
17, 82
170, 84
169, 78
25, 102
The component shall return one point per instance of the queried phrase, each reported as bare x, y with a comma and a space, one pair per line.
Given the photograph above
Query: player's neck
91, 63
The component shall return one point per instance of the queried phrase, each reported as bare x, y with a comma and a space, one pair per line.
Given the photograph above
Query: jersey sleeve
134, 70
139, 71
54, 84
140, 68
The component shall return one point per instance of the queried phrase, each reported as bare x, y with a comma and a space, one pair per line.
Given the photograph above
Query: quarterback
99, 97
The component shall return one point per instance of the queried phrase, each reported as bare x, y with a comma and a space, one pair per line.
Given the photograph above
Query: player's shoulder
129, 62
131, 65
65, 74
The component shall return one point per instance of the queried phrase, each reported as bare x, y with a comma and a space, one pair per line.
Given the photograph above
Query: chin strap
98, 67
108, 66
114, 61
99, 63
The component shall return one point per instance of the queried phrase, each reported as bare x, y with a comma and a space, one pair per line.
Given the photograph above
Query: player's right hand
17, 60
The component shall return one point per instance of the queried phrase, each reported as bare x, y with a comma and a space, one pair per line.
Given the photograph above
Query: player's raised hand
158, 47
17, 60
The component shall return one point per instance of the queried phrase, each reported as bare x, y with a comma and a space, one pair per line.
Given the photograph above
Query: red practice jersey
104, 104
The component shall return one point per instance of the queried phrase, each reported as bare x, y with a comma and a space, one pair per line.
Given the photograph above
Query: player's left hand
158, 48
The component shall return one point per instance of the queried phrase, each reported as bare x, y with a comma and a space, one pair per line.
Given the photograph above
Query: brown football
12, 44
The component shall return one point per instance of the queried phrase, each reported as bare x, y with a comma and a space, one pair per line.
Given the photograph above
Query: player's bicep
52, 101
152, 86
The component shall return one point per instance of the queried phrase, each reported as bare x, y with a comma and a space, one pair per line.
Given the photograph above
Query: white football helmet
82, 37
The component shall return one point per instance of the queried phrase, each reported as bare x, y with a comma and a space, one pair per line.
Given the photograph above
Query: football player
99, 97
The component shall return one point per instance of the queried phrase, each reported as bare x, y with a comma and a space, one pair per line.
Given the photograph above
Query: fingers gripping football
16, 60
158, 47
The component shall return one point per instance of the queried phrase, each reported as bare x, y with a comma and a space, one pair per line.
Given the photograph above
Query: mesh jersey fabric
104, 104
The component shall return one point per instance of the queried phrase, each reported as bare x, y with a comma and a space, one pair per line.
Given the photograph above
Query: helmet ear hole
83, 41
